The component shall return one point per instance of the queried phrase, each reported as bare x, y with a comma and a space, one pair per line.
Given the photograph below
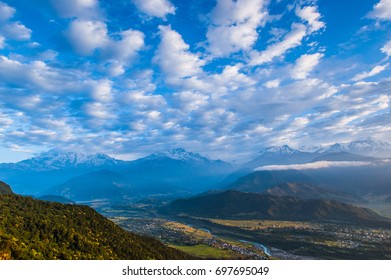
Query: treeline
33, 229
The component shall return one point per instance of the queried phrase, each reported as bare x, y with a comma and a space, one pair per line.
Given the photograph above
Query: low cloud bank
313, 165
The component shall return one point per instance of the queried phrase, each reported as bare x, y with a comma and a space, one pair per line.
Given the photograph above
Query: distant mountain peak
282, 150
178, 154
57, 159
366, 146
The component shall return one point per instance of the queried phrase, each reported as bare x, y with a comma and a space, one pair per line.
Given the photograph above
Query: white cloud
304, 65
174, 57
277, 34
188, 101
2, 42
5, 120
291, 40
6, 12
36, 75
376, 70
230, 80
97, 110
101, 90
381, 10
155, 8
144, 101
16, 31
125, 49
234, 25
86, 36
76, 8
273, 83
115, 69
312, 16
313, 165
387, 48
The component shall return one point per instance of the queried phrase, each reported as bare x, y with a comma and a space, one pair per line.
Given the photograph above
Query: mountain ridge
5, 189
234, 204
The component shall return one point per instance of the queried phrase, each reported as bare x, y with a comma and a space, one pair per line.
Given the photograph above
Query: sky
223, 78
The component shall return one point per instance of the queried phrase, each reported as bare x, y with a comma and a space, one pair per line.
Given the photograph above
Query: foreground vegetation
33, 229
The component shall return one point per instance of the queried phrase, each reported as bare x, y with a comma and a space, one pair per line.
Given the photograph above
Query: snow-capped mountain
367, 146
178, 154
57, 160
280, 150
280, 155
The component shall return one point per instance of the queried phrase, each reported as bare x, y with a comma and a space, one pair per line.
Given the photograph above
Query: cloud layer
313, 165
224, 78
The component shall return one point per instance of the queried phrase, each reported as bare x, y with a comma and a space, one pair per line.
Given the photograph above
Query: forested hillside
33, 229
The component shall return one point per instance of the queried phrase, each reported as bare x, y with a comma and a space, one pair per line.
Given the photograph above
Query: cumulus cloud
102, 90
126, 48
273, 83
381, 10
313, 165
304, 65
311, 15
234, 25
293, 39
290, 40
174, 58
387, 48
16, 31
375, 71
97, 110
6, 12
76, 8
86, 36
12, 30
143, 100
155, 8
230, 80
189, 101
36, 75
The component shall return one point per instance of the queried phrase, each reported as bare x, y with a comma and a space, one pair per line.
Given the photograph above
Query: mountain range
59, 160
288, 183
72, 174
369, 147
178, 172
280, 155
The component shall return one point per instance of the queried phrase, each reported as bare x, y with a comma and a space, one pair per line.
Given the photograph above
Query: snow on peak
56, 159
282, 150
368, 146
178, 154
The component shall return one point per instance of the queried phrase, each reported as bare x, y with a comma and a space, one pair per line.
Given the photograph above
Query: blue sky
224, 78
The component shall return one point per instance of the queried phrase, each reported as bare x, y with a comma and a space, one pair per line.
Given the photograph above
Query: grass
263, 224
206, 252
197, 234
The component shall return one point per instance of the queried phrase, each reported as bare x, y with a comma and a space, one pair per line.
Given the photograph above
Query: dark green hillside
239, 205
56, 198
34, 229
5, 189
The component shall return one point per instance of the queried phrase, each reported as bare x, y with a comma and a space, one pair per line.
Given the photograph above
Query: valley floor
253, 239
